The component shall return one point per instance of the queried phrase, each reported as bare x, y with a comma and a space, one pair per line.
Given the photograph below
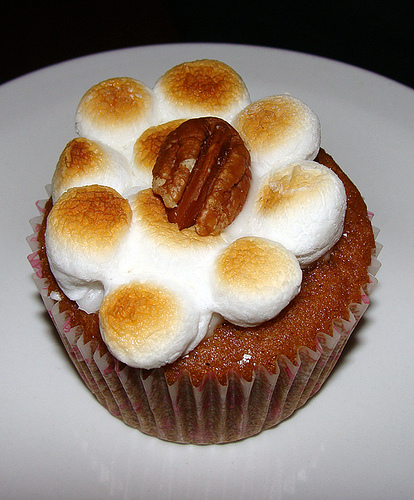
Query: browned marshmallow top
119, 98
93, 218
147, 147
204, 86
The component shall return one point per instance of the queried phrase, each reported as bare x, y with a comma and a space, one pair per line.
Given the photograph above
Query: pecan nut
202, 174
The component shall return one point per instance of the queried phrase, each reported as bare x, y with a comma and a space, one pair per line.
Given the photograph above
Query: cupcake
203, 259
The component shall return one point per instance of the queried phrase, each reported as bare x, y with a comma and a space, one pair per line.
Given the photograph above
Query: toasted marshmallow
254, 279
200, 88
149, 210
157, 253
84, 162
183, 256
116, 112
302, 206
157, 247
278, 130
159, 290
147, 148
85, 230
146, 325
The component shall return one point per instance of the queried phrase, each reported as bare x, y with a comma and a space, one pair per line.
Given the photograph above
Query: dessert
203, 259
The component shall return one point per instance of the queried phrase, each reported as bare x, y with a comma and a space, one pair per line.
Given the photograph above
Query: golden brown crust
280, 188
151, 210
249, 264
137, 308
123, 98
256, 122
79, 157
206, 84
147, 146
328, 289
90, 217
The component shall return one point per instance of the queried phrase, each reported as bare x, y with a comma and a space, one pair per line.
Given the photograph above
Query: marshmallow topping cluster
160, 290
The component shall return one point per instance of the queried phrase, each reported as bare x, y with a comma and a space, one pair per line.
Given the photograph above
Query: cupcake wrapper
211, 412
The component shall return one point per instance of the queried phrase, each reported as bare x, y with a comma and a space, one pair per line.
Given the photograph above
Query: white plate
352, 440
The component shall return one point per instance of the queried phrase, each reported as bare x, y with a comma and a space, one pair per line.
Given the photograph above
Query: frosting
160, 290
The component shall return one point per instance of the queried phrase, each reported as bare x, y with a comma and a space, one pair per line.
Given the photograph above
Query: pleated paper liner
211, 412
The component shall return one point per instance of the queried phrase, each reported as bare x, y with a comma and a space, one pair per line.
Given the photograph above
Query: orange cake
203, 259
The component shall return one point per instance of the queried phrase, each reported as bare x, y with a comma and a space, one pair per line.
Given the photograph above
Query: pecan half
202, 174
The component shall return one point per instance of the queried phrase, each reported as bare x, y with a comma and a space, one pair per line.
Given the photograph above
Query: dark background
374, 35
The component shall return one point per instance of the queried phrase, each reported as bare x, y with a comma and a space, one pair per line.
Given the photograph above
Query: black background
374, 35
